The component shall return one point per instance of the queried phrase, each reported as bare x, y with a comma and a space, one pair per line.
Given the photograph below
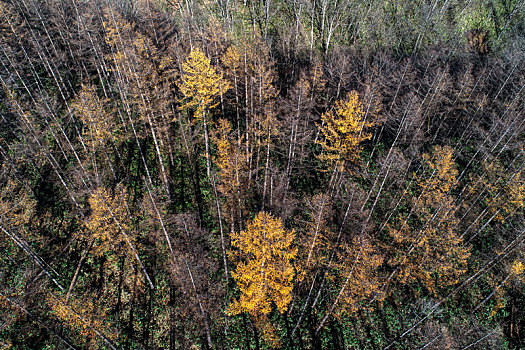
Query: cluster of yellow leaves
265, 272
6, 345
357, 268
498, 295
82, 316
4, 303
129, 43
442, 172
518, 268
269, 333
430, 250
200, 83
108, 219
233, 168
501, 302
93, 113
262, 128
115, 27
343, 131
16, 205
506, 191
233, 60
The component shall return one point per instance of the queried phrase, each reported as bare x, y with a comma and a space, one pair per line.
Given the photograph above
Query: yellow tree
83, 316
201, 85
427, 248
99, 126
504, 190
358, 266
233, 170
109, 221
357, 271
107, 232
342, 132
265, 272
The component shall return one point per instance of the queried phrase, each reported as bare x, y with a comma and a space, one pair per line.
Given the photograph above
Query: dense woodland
295, 174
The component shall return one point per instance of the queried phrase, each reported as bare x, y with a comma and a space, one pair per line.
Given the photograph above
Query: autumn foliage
109, 223
200, 83
265, 272
262, 174
433, 253
343, 130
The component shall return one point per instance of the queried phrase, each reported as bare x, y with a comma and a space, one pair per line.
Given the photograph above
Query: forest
273, 174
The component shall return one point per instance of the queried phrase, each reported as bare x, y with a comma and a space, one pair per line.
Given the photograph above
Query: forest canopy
290, 174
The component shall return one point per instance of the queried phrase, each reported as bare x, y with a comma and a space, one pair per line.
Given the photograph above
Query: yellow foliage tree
108, 222
99, 126
343, 131
428, 248
91, 110
505, 190
441, 174
84, 317
265, 272
201, 85
357, 272
17, 206
357, 268
233, 170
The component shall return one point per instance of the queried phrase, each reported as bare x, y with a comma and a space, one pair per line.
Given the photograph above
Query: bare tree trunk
207, 141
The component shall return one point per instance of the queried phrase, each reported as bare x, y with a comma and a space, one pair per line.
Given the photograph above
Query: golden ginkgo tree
342, 132
265, 272
201, 85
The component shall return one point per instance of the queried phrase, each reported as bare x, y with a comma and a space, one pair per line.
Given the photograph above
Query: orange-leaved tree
342, 132
201, 85
265, 272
